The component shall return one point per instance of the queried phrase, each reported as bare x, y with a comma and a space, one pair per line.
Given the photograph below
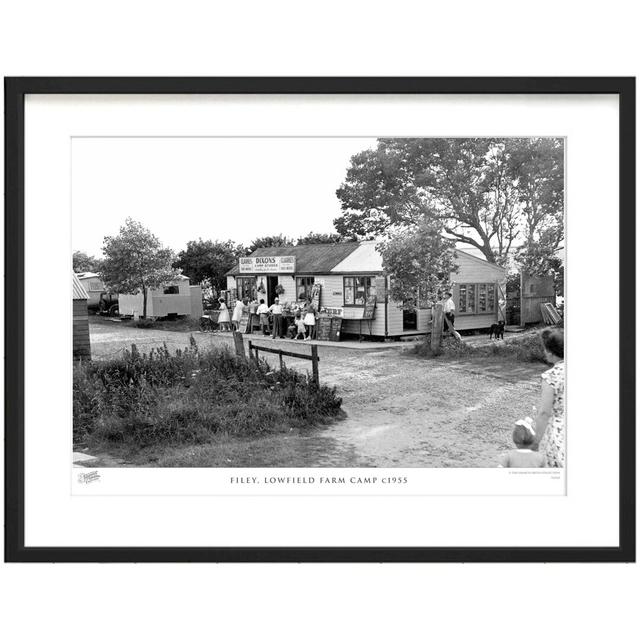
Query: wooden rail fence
289, 354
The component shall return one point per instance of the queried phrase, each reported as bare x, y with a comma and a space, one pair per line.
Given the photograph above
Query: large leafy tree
135, 261
207, 261
83, 262
419, 260
488, 193
320, 238
270, 241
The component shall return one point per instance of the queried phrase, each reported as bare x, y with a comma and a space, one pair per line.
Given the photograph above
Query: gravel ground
402, 410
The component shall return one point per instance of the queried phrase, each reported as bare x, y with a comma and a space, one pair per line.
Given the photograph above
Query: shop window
171, 290
357, 289
476, 298
303, 288
246, 287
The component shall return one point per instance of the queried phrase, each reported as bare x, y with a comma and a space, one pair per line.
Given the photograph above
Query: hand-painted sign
267, 264
332, 311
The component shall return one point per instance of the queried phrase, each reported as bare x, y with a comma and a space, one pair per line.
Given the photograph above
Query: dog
497, 330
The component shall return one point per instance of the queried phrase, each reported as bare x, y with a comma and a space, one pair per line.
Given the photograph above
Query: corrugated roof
79, 292
310, 258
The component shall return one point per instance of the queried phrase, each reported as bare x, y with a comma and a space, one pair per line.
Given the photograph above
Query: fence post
237, 339
314, 364
436, 330
281, 362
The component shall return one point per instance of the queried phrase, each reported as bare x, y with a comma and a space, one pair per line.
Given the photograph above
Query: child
263, 312
300, 325
310, 320
223, 319
524, 456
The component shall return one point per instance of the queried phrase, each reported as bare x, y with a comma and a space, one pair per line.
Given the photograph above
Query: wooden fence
289, 354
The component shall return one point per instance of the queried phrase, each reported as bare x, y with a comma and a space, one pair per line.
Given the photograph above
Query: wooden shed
354, 287
81, 342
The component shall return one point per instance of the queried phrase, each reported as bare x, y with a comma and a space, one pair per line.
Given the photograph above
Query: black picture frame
15, 91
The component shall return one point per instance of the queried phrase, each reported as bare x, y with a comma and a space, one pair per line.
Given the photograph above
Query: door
409, 320
272, 283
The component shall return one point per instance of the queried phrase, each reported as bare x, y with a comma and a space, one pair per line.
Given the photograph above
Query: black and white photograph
318, 302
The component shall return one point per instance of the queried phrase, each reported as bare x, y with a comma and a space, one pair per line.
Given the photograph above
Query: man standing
449, 308
276, 310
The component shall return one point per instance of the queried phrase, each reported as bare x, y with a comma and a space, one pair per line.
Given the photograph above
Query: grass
190, 397
522, 348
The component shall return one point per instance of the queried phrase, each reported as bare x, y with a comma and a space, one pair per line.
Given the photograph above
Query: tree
320, 238
207, 261
270, 241
419, 261
83, 262
479, 188
135, 261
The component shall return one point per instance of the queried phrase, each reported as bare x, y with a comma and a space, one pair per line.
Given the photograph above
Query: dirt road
402, 410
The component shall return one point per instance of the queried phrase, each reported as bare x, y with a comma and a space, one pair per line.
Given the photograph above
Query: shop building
354, 287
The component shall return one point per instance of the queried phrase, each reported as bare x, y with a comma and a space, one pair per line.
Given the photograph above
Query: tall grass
188, 396
524, 348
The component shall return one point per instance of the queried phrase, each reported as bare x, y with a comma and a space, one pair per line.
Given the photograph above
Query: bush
144, 323
188, 396
523, 348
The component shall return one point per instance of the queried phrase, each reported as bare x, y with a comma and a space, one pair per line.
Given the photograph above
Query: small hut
81, 343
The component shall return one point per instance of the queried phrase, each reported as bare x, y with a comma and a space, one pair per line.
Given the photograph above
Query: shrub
144, 323
188, 396
524, 348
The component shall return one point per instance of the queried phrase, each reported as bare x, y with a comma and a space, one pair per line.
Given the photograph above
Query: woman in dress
310, 320
237, 313
223, 318
549, 424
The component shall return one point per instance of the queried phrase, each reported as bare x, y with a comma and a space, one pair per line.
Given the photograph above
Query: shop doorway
272, 283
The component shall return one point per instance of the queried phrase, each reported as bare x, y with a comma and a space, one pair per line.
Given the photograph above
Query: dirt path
402, 410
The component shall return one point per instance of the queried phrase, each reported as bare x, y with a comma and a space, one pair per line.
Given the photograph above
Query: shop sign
267, 264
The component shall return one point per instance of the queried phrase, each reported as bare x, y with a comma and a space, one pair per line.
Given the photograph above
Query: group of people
304, 321
540, 441
227, 323
271, 318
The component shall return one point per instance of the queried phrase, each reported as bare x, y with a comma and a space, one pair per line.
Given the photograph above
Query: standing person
263, 313
549, 423
310, 320
223, 318
237, 313
301, 328
449, 308
276, 311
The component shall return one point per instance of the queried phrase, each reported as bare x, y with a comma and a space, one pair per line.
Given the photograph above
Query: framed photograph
320, 319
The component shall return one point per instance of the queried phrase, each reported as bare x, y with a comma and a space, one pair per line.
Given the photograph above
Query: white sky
213, 188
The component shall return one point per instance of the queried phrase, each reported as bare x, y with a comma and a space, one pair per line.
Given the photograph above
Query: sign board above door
267, 264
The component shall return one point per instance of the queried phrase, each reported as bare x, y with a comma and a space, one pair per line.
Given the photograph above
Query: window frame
476, 298
368, 287
240, 286
166, 292
307, 287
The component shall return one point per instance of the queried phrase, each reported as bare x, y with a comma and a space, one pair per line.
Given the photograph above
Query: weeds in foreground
188, 396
